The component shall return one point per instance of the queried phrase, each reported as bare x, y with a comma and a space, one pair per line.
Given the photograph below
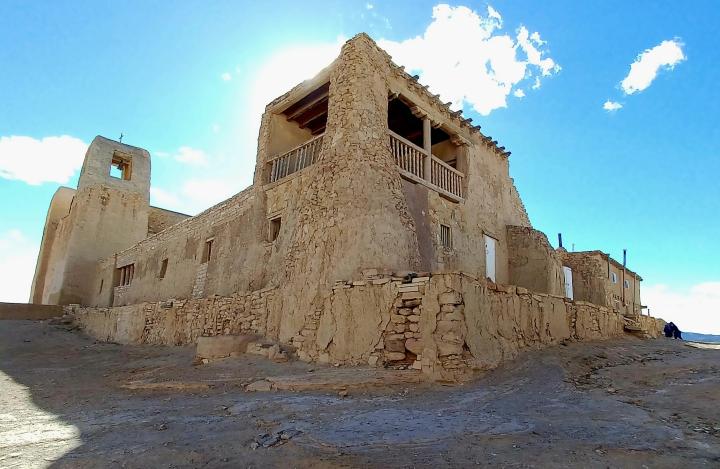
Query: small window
626, 283
445, 236
163, 268
275, 224
207, 250
125, 275
120, 167
102, 283
613, 277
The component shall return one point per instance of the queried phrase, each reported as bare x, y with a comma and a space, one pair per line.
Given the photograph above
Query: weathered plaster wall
592, 281
105, 216
239, 250
59, 208
446, 325
159, 219
533, 263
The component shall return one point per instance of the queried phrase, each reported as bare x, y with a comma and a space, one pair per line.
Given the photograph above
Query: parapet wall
446, 325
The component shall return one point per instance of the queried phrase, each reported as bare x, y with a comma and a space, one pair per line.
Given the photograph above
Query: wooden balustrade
296, 159
411, 159
408, 156
446, 177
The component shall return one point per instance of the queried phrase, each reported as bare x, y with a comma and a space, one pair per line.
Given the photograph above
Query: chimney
624, 258
560, 240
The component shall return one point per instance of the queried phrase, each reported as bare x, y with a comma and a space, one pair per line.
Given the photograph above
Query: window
120, 167
626, 283
275, 224
445, 236
102, 283
613, 277
125, 275
163, 268
207, 250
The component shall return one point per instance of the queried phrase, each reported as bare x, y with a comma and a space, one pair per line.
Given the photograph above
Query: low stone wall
29, 311
446, 325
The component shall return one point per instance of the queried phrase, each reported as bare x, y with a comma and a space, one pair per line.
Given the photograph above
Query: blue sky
187, 80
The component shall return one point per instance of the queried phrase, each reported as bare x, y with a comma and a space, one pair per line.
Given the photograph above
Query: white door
490, 257
568, 282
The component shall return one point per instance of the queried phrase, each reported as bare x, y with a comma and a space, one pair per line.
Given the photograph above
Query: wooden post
427, 146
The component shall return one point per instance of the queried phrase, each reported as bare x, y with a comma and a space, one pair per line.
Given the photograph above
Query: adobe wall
533, 263
592, 281
29, 311
160, 219
237, 263
446, 325
105, 216
59, 208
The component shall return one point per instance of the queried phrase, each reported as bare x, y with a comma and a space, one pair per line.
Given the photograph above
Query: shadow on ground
67, 401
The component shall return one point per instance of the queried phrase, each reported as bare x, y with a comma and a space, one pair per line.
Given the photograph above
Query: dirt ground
67, 401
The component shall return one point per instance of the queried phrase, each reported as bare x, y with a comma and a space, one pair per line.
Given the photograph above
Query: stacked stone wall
446, 325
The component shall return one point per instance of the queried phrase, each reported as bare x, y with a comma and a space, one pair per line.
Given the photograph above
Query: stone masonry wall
446, 325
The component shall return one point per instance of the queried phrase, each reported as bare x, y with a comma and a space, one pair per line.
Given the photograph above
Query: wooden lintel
306, 106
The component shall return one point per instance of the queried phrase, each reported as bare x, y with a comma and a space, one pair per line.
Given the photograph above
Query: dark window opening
120, 167
445, 236
125, 275
402, 122
102, 283
275, 224
207, 250
163, 268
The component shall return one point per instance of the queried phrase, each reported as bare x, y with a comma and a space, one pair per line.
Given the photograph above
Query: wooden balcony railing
408, 156
296, 159
446, 177
441, 177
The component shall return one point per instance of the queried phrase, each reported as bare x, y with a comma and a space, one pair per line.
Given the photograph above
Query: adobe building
381, 227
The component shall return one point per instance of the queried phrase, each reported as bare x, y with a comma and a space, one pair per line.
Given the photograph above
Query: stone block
411, 303
414, 346
396, 345
398, 319
414, 327
394, 356
450, 298
220, 346
262, 385
417, 365
413, 318
446, 348
447, 308
411, 295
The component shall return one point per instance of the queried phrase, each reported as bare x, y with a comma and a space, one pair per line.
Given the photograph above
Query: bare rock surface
67, 401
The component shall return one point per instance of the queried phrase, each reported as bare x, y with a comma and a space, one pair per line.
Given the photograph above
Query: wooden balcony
296, 159
419, 166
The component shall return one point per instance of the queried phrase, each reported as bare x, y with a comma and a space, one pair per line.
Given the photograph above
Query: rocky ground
67, 401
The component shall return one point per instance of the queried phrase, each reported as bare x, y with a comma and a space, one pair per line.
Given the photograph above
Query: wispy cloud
191, 156
464, 58
49, 159
611, 106
644, 70
696, 309
226, 76
195, 194
17, 255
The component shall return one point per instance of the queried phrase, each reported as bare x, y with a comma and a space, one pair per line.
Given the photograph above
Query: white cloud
696, 309
162, 198
611, 106
462, 57
643, 71
226, 76
17, 255
50, 159
519, 93
194, 195
369, 6
191, 156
